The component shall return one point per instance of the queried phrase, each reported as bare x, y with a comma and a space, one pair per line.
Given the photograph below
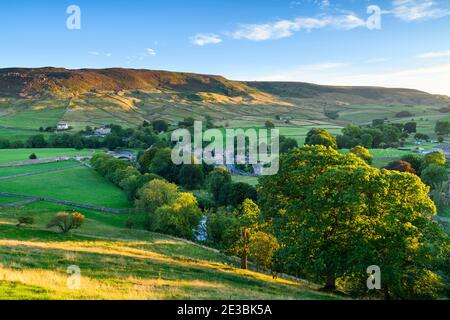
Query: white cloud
418, 10
203, 39
150, 52
94, 53
287, 28
432, 55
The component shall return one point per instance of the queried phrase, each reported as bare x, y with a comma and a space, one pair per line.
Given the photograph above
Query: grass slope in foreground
118, 263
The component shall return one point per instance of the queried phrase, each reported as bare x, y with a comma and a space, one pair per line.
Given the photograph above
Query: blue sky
321, 41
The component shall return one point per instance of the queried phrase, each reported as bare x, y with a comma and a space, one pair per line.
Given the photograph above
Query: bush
262, 248
25, 220
401, 166
321, 137
33, 156
434, 175
222, 229
191, 176
179, 218
437, 158
415, 161
66, 221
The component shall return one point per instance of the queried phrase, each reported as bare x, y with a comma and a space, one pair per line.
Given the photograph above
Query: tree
191, 176
437, 158
25, 220
66, 221
433, 175
240, 191
179, 218
160, 126
362, 153
321, 137
442, 127
262, 248
287, 144
421, 137
156, 194
248, 221
401, 166
222, 229
37, 141
343, 215
216, 180
410, 127
377, 122
162, 165
415, 161
145, 159
269, 124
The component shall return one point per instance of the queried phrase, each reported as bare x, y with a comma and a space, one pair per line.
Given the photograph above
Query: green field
14, 155
6, 200
81, 185
118, 263
35, 168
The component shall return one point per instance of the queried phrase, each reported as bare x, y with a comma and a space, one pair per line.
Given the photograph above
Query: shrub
179, 218
66, 221
320, 137
25, 220
262, 248
401, 166
33, 156
434, 175
437, 158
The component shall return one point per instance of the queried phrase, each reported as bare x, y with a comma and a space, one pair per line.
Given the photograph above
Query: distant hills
127, 96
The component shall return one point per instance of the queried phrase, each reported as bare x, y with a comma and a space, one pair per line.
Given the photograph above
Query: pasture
82, 185
14, 155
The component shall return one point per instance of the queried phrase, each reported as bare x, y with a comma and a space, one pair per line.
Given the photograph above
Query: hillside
33, 98
115, 262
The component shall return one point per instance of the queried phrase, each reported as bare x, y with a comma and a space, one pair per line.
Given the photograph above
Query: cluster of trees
379, 135
142, 137
431, 169
227, 193
121, 173
168, 210
442, 128
334, 216
243, 233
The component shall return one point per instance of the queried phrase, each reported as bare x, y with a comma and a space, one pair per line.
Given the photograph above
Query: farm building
62, 126
103, 131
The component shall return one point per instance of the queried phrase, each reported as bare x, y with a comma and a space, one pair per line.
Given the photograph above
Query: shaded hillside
301, 90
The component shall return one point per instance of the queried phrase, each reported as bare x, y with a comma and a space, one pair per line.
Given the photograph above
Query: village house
62, 126
103, 131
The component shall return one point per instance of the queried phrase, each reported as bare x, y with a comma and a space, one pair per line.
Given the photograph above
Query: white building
103, 131
62, 126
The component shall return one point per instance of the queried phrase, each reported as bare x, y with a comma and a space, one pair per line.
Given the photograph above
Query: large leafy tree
335, 216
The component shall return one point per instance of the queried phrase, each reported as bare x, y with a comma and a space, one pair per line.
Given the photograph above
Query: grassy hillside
33, 98
115, 262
